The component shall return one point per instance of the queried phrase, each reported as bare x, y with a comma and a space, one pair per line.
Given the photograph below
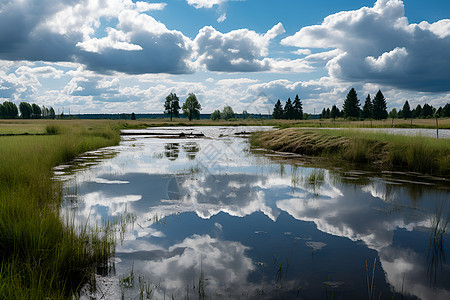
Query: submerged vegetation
385, 151
41, 254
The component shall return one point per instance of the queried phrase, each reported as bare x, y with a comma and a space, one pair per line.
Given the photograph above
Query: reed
43, 255
380, 150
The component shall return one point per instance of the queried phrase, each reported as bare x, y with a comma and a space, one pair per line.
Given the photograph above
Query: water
210, 218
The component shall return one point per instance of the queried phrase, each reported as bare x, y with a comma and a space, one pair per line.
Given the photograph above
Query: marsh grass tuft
42, 254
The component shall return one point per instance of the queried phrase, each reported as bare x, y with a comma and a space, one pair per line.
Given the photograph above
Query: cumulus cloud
379, 45
236, 51
67, 31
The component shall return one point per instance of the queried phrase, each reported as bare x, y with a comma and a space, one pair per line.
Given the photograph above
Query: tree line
292, 110
377, 109
9, 110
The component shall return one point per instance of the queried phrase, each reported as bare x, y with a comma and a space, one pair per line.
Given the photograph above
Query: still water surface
210, 218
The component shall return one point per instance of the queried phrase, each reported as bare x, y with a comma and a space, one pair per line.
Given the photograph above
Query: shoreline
381, 151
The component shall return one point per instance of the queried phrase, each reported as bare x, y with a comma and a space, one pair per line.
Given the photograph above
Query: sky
123, 56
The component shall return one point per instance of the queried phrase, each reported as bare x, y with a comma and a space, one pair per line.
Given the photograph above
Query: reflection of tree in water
436, 252
191, 150
171, 150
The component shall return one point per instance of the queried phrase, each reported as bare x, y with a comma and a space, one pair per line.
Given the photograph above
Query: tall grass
41, 254
387, 151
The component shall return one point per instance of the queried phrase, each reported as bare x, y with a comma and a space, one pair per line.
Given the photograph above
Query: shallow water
208, 218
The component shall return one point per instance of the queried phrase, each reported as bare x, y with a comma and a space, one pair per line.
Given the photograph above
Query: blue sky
117, 56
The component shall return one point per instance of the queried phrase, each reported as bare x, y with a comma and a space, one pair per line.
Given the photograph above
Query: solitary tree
25, 110
379, 106
172, 105
191, 107
215, 115
278, 110
406, 110
133, 116
227, 113
298, 108
288, 110
351, 105
367, 108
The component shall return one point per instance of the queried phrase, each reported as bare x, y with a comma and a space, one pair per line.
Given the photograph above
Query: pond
210, 218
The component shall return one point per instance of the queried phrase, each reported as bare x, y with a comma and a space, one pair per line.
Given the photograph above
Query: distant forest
377, 109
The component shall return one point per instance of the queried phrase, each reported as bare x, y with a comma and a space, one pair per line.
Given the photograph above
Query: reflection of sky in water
258, 228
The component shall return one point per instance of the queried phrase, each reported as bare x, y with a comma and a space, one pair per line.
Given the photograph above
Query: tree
172, 105
215, 115
393, 114
191, 107
379, 106
227, 113
351, 105
133, 116
298, 108
334, 113
9, 110
245, 114
36, 111
446, 111
52, 114
406, 110
417, 112
25, 110
427, 110
288, 110
367, 108
278, 110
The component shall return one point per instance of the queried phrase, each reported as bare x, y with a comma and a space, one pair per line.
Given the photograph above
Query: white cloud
379, 45
205, 3
222, 18
236, 51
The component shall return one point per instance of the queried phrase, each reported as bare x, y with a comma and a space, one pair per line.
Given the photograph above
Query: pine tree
334, 113
278, 110
417, 112
379, 106
367, 108
323, 115
406, 110
351, 105
288, 110
298, 108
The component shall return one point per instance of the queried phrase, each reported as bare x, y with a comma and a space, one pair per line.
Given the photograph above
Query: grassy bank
384, 151
41, 255
338, 123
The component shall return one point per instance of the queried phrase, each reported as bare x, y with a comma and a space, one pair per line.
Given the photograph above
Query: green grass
385, 151
41, 254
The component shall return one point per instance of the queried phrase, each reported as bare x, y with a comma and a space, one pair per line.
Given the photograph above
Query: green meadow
43, 256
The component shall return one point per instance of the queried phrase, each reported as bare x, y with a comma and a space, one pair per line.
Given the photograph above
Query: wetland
212, 217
